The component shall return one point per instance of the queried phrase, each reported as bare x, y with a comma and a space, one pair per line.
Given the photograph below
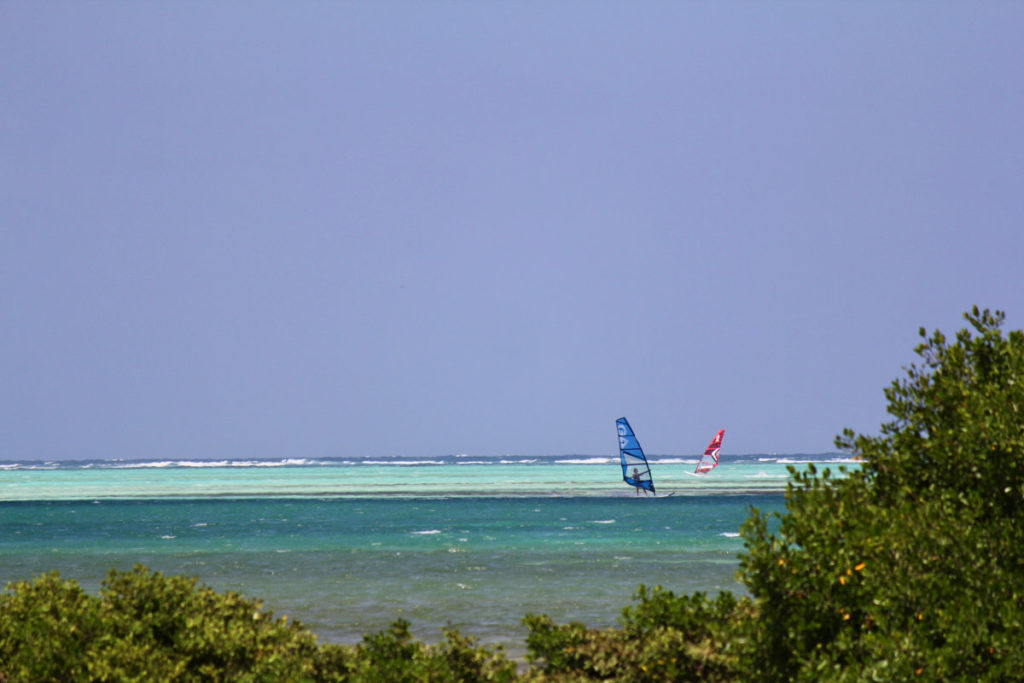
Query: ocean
348, 546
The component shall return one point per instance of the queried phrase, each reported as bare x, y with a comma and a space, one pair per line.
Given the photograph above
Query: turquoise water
347, 547
449, 476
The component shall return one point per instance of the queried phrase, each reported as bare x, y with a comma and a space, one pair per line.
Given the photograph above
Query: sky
346, 229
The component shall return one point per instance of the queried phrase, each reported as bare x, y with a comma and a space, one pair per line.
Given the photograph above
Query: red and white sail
709, 461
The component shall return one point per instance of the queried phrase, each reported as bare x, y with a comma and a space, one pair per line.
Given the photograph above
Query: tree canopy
912, 564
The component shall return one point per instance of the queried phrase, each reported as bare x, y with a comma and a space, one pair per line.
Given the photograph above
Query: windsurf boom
709, 460
635, 470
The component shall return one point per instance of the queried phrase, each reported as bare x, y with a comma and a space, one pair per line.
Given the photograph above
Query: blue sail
635, 470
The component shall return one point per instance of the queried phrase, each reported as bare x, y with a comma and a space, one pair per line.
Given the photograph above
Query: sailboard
709, 460
635, 470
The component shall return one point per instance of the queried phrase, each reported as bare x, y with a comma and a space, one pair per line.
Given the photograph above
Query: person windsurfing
631, 456
636, 478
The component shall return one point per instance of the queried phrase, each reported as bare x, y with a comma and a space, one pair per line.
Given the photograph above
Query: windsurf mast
635, 470
709, 461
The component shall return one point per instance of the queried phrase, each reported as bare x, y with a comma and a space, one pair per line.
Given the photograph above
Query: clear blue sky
234, 230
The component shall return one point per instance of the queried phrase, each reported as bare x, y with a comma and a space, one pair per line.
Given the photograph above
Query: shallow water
348, 548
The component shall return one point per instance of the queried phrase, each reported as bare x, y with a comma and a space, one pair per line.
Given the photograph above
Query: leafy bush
914, 564
145, 627
662, 638
392, 656
49, 631
148, 627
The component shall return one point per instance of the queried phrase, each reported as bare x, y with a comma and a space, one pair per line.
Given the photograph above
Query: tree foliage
662, 638
914, 563
145, 626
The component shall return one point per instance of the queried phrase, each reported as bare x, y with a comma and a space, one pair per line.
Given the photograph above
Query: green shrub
49, 630
393, 656
914, 564
148, 627
662, 638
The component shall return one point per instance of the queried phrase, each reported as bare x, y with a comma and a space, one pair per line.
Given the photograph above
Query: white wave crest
403, 462
765, 475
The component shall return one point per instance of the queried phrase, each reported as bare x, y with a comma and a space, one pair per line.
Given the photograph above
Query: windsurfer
631, 456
